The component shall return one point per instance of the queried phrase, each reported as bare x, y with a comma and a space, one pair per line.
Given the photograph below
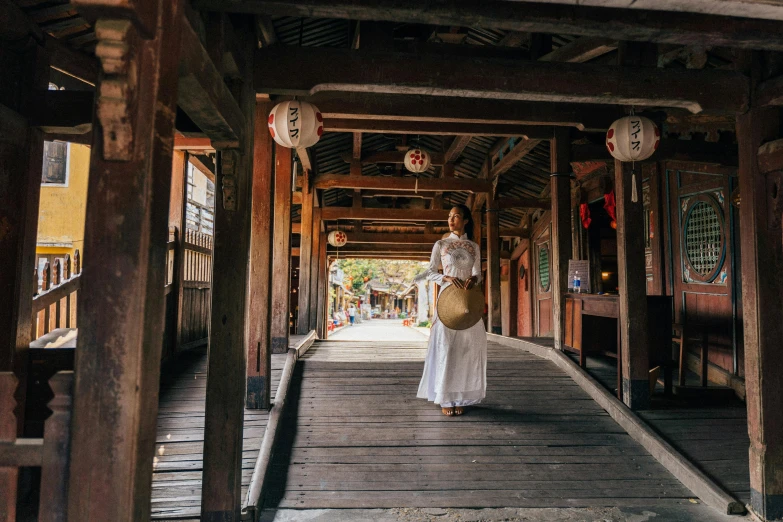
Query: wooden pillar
762, 304
117, 369
633, 289
314, 270
305, 256
259, 359
221, 491
559, 151
513, 297
493, 267
323, 287
281, 251
177, 213
21, 164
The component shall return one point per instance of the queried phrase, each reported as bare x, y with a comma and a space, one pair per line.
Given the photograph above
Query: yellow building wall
62, 209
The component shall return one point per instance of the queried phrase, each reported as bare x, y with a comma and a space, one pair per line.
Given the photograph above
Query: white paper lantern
295, 124
632, 138
337, 238
417, 160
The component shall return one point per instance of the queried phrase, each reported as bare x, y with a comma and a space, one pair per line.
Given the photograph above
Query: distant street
378, 330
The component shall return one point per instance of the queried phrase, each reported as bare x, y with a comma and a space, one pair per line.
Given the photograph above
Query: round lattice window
703, 240
543, 268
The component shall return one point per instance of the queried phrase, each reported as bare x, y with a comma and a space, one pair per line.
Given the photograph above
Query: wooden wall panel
524, 295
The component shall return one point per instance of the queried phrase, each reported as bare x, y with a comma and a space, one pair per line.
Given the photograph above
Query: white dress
455, 370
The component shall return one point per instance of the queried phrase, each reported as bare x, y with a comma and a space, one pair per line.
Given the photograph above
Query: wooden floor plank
361, 439
178, 462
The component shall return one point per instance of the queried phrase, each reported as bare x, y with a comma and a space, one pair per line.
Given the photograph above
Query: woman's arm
432, 270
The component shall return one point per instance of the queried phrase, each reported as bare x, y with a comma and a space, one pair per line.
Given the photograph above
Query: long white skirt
455, 370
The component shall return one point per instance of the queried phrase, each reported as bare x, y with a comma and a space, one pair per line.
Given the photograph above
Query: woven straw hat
460, 309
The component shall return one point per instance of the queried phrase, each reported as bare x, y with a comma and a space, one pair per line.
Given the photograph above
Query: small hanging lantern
295, 124
417, 160
633, 138
337, 238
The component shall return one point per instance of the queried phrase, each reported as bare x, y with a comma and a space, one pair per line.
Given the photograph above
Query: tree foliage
394, 273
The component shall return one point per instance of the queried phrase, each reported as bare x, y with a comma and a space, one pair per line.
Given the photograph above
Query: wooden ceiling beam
384, 214
343, 70
64, 112
520, 150
543, 203
401, 107
514, 232
203, 94
204, 164
397, 194
581, 50
410, 184
771, 156
669, 149
641, 25
457, 146
382, 238
770, 93
435, 128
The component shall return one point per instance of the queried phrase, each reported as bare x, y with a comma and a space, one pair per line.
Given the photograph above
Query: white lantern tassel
634, 191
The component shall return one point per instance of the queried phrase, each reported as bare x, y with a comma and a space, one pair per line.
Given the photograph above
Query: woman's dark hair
467, 217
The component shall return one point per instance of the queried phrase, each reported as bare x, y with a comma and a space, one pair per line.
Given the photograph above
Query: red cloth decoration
584, 214
610, 205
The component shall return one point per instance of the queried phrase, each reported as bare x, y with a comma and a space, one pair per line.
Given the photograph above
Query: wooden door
541, 279
703, 234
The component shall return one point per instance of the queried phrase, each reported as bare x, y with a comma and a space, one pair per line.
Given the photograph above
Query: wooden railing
196, 289
50, 453
56, 304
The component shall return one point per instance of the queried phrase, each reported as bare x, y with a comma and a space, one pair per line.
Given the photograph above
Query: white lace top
458, 256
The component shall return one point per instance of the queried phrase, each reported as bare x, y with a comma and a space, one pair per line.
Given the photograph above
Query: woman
455, 371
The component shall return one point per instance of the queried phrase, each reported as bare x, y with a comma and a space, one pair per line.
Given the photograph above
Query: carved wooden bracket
228, 179
117, 88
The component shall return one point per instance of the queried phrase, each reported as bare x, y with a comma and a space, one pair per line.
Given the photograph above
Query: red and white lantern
337, 238
633, 138
417, 160
296, 124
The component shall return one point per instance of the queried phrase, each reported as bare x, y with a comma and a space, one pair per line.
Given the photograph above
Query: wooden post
513, 296
221, 492
322, 317
177, 213
305, 256
54, 472
117, 371
633, 289
493, 267
560, 148
281, 252
314, 273
762, 288
8, 476
21, 163
259, 362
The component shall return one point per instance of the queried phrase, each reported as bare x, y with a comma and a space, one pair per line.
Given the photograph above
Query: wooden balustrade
50, 453
55, 305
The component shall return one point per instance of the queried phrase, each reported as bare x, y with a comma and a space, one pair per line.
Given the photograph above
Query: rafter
624, 24
325, 69
581, 50
383, 214
520, 150
327, 181
458, 144
203, 95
